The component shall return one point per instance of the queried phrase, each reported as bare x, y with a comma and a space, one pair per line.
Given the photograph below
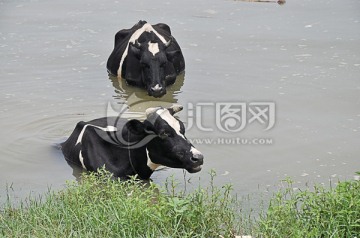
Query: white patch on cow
153, 48
145, 28
176, 107
151, 164
151, 110
81, 158
108, 128
157, 87
194, 151
166, 116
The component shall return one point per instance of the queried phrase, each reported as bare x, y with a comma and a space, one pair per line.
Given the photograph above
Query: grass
321, 212
103, 207
100, 206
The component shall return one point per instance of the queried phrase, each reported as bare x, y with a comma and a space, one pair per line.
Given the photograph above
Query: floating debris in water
225, 173
280, 2
210, 11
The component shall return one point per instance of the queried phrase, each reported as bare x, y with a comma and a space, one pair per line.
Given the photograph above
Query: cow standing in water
147, 56
132, 147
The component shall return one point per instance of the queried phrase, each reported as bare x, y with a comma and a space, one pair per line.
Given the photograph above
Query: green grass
100, 206
321, 212
103, 207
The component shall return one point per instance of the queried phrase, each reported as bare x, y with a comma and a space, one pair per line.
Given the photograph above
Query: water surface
303, 56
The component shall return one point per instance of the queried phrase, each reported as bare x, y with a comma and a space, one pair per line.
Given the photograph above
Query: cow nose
156, 89
197, 158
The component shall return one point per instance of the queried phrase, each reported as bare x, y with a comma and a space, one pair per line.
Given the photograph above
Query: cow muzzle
157, 91
198, 161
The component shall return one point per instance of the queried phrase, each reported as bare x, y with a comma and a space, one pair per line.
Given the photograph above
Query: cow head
170, 147
153, 59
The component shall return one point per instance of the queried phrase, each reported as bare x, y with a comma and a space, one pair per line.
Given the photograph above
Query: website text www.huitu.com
232, 141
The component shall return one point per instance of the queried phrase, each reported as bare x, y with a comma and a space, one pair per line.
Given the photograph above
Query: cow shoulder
103, 130
71, 141
122, 35
102, 122
163, 27
70, 148
112, 131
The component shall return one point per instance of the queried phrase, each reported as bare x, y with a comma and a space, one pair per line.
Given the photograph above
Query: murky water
303, 56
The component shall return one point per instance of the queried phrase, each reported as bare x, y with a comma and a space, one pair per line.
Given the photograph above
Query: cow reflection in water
137, 100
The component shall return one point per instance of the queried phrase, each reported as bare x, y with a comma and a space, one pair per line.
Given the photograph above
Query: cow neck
131, 163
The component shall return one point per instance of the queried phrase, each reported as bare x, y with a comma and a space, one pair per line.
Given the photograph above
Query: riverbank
99, 206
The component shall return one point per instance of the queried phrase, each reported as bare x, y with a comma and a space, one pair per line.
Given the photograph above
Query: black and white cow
132, 147
147, 56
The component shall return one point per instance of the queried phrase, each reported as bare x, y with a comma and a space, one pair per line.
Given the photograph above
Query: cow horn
175, 108
168, 43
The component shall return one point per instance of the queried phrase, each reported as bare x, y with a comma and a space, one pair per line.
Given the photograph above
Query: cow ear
175, 108
135, 127
172, 55
134, 48
149, 127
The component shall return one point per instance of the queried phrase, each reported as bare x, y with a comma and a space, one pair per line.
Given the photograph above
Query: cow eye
163, 135
162, 65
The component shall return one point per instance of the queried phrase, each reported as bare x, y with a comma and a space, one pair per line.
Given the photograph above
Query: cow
131, 147
147, 56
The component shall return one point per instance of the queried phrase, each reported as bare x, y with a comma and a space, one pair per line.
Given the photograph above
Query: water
303, 56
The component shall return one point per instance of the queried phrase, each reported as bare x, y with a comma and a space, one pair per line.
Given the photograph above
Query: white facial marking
194, 151
150, 164
108, 128
145, 28
166, 116
157, 87
81, 158
153, 48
